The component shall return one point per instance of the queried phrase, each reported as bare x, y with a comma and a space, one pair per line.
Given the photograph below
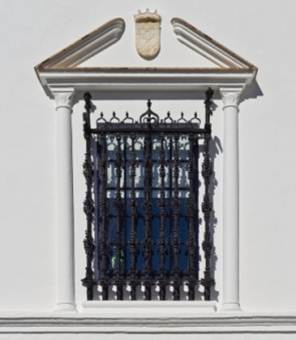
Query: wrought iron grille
143, 207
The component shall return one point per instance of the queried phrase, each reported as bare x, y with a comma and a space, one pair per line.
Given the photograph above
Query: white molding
135, 85
149, 309
235, 323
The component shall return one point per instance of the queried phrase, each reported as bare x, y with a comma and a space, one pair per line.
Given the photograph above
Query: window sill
149, 308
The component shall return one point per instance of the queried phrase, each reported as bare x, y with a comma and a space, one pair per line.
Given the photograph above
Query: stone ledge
236, 323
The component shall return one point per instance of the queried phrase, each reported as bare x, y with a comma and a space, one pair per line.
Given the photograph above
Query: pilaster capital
230, 97
64, 98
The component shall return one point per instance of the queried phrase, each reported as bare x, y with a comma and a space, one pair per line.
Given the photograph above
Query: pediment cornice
63, 71
86, 47
206, 46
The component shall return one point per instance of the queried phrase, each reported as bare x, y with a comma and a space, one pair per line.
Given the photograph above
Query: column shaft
64, 203
230, 202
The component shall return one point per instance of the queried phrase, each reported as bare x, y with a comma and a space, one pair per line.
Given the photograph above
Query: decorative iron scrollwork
143, 216
207, 205
89, 246
149, 116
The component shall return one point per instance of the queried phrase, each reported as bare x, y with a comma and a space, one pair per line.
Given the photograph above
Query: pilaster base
65, 307
231, 307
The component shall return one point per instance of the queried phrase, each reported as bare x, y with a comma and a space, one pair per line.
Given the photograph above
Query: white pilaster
64, 219
230, 300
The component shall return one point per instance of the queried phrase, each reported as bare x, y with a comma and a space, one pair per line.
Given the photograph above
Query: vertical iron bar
133, 236
196, 184
161, 243
207, 206
96, 154
103, 257
88, 170
119, 205
148, 216
124, 208
191, 216
170, 215
176, 212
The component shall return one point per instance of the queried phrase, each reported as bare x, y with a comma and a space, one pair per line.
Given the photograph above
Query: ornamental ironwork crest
148, 34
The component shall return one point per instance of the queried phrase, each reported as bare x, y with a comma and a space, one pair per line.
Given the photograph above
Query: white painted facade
36, 275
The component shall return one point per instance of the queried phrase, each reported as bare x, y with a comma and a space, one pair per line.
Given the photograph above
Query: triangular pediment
102, 50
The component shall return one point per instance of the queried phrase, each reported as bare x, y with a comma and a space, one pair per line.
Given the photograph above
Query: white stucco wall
262, 32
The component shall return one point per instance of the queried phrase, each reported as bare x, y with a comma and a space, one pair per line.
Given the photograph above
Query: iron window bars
142, 205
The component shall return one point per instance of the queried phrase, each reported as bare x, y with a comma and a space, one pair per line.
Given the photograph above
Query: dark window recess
143, 206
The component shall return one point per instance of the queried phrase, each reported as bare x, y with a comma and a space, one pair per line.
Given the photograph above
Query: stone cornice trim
132, 85
84, 48
219, 323
209, 48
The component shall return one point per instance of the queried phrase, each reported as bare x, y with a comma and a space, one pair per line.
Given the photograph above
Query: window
143, 206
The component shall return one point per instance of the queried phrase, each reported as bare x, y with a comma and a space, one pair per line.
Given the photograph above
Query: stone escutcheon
148, 34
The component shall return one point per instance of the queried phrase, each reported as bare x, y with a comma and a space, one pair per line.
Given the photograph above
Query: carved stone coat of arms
148, 34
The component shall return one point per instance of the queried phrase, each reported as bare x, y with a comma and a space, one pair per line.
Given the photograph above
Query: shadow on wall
118, 150
215, 150
183, 237
253, 91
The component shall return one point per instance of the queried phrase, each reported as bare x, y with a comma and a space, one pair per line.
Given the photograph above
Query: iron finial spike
87, 99
149, 104
87, 96
209, 93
